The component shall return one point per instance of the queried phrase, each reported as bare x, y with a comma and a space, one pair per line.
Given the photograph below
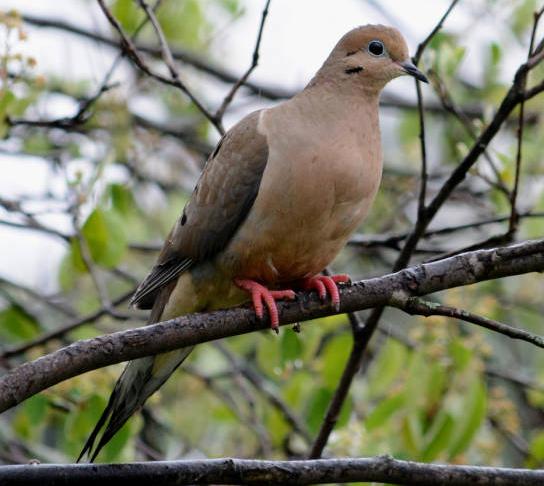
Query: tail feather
140, 379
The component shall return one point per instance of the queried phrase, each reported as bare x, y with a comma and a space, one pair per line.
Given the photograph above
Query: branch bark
82, 356
383, 469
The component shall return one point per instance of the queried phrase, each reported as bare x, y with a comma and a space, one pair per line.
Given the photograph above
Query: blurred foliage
430, 389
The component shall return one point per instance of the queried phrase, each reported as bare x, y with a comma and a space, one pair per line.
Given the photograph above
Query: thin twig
83, 114
423, 148
63, 330
254, 62
226, 397
130, 49
423, 45
273, 398
415, 305
521, 123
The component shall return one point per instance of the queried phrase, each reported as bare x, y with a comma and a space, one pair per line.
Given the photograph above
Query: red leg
261, 295
324, 285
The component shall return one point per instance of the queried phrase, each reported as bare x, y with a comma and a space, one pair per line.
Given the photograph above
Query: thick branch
82, 356
382, 469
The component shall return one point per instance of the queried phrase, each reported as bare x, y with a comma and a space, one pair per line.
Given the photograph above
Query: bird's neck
330, 103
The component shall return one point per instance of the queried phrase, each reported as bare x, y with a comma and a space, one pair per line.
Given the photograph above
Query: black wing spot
183, 219
354, 70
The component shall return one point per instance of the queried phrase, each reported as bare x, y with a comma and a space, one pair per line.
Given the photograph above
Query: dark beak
410, 69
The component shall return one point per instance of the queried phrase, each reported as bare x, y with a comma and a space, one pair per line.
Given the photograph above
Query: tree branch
254, 62
82, 356
414, 305
383, 469
132, 53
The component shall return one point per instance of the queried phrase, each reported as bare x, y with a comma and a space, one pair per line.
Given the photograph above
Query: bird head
370, 56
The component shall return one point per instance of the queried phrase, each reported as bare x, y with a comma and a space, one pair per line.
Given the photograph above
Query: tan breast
322, 174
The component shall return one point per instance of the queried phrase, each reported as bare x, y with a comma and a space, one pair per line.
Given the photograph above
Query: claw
324, 285
261, 295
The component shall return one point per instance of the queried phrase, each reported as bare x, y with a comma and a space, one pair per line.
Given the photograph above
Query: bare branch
393, 240
83, 114
132, 52
521, 123
273, 397
63, 330
423, 45
254, 62
415, 305
382, 469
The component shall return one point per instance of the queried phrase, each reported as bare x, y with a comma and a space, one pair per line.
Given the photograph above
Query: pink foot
261, 295
324, 285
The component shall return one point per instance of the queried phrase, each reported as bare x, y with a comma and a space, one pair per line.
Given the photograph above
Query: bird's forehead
391, 37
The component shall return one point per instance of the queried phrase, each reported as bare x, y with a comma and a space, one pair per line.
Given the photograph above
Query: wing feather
220, 202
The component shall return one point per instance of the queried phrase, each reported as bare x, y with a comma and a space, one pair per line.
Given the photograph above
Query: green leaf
536, 446
297, 388
470, 417
317, 407
334, 358
291, 346
17, 325
269, 354
35, 409
437, 382
37, 144
496, 54
113, 449
411, 433
122, 199
383, 412
7, 97
523, 16
417, 382
184, 22
30, 417
82, 420
105, 236
461, 355
386, 368
127, 13
232, 6
276, 426
438, 436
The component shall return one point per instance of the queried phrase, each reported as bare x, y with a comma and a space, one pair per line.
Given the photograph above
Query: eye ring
376, 48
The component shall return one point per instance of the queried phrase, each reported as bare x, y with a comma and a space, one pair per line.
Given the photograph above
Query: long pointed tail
140, 379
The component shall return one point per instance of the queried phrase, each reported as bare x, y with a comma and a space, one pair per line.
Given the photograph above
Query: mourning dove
277, 200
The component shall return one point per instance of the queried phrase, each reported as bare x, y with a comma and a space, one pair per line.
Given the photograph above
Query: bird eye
376, 48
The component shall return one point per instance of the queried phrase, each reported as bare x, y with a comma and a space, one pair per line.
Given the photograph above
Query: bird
277, 200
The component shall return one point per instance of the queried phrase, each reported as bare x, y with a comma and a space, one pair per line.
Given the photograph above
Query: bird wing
220, 202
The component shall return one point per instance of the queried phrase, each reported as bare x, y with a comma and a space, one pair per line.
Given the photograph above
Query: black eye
376, 48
